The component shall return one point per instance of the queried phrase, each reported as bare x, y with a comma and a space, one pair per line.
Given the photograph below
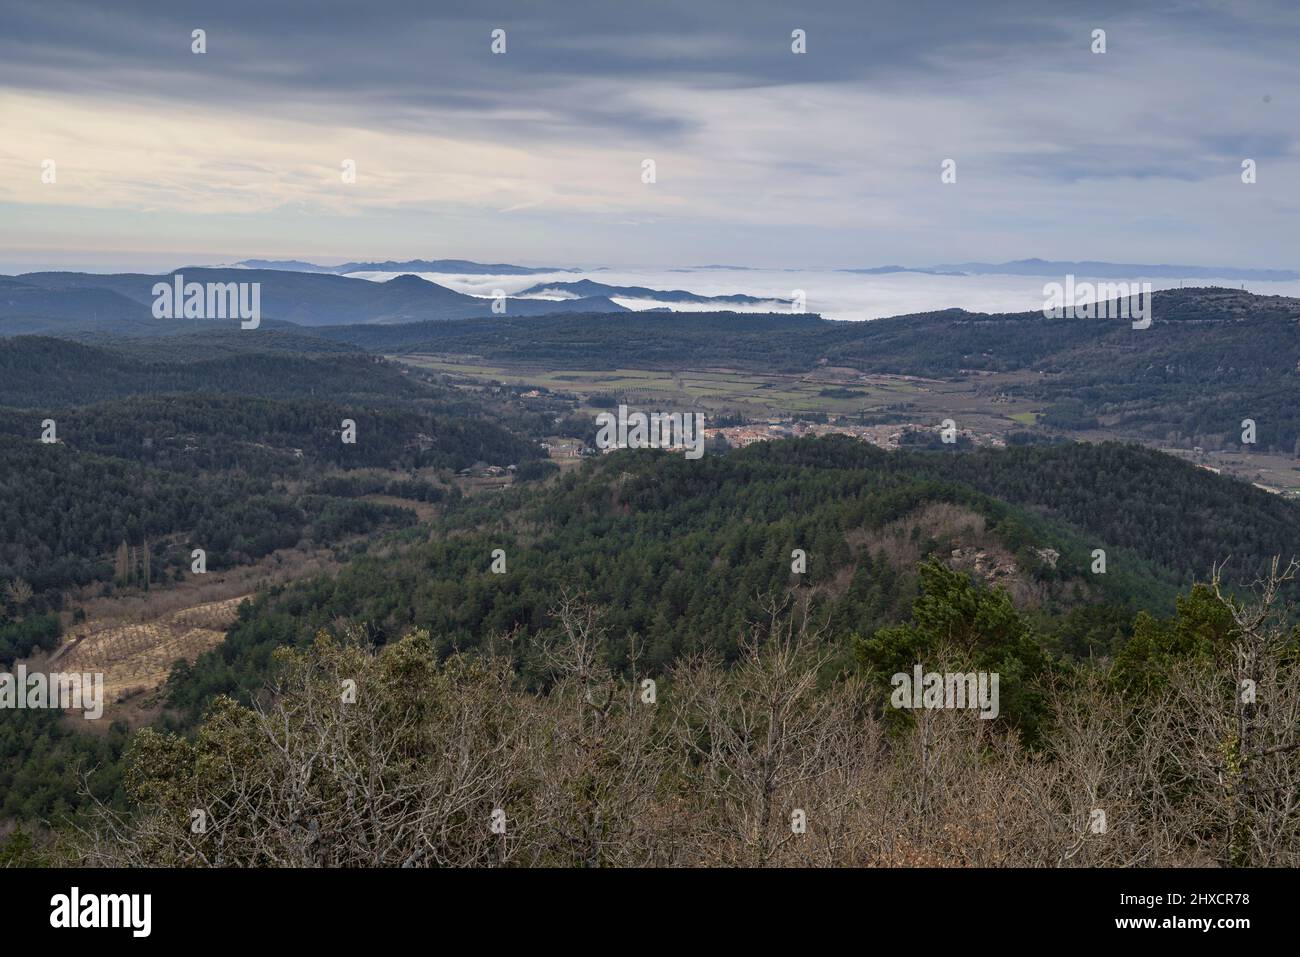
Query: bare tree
354, 759
19, 594
393, 757
757, 744
606, 753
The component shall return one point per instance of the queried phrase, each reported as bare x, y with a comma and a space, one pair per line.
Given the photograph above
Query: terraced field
136, 658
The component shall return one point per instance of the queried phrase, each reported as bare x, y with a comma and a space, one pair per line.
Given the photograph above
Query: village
890, 436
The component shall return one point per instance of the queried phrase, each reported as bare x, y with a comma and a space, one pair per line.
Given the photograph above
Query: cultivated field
136, 658
839, 391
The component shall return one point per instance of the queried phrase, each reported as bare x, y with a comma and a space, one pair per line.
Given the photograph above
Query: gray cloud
846, 139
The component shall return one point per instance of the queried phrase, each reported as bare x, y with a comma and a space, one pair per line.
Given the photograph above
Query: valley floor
984, 407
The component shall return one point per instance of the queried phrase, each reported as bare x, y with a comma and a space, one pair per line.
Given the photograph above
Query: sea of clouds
833, 294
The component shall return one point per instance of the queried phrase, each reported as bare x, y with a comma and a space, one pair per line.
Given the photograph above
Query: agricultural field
133, 638
135, 658
832, 390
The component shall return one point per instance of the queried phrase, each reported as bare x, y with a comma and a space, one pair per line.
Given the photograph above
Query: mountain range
68, 301
460, 266
1019, 267
1102, 270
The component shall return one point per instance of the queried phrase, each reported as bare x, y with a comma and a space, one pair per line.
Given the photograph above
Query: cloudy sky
762, 156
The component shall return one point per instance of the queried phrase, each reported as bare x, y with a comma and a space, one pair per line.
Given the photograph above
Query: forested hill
68, 511
39, 371
210, 442
1176, 516
941, 343
271, 437
681, 552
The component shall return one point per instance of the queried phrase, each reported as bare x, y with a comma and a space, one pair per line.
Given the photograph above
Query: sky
762, 156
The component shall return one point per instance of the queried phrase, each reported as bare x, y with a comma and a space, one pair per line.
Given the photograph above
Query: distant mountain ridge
461, 266
1104, 270
587, 287
68, 299
1055, 268
1019, 267
888, 270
